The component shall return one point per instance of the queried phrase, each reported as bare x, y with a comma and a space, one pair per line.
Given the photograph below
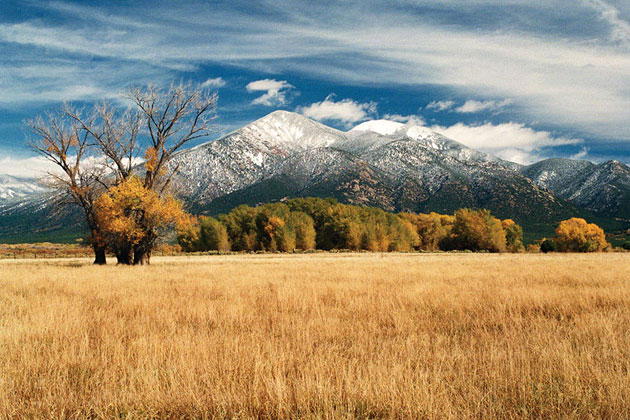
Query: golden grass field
318, 336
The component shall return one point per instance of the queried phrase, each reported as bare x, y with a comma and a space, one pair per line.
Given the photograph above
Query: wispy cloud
473, 106
575, 79
276, 91
345, 111
510, 141
216, 82
440, 105
620, 28
581, 154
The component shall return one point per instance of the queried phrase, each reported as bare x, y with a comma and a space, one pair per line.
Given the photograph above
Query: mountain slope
603, 189
381, 163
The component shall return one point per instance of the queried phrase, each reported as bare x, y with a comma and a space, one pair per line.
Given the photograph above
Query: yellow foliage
151, 159
273, 225
576, 235
128, 212
433, 228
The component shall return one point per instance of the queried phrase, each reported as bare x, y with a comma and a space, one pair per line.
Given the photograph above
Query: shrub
626, 245
548, 245
533, 248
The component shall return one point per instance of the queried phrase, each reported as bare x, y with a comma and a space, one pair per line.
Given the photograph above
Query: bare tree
168, 118
173, 117
114, 134
79, 179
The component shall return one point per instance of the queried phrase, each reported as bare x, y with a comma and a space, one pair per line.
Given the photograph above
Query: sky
524, 80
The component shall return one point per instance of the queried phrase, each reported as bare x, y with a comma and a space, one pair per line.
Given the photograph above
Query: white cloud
37, 167
440, 105
577, 79
407, 119
581, 154
276, 91
217, 82
31, 167
510, 141
345, 111
473, 106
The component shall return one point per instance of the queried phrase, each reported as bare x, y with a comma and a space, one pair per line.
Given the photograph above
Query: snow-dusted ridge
381, 163
13, 188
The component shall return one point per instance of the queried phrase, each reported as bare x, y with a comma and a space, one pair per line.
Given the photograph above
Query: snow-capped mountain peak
290, 130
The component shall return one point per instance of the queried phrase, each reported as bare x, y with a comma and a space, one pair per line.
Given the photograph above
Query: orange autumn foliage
129, 212
150, 159
576, 235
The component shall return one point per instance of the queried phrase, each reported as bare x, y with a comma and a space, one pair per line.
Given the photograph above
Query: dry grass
319, 336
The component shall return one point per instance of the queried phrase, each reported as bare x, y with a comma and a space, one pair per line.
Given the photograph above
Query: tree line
316, 223
126, 205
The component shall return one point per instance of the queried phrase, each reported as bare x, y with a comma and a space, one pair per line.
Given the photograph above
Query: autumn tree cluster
315, 223
113, 162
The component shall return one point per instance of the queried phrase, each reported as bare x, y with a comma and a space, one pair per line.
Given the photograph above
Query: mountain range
14, 188
395, 166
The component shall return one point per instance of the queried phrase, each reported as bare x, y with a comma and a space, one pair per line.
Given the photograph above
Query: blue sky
524, 80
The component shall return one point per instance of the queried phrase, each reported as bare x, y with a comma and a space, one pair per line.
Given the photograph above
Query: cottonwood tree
113, 134
129, 212
159, 123
577, 235
79, 180
172, 118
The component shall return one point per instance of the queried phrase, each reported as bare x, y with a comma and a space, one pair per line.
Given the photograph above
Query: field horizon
349, 335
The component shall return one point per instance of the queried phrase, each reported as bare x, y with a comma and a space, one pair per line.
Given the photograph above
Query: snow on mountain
602, 188
383, 163
263, 149
12, 188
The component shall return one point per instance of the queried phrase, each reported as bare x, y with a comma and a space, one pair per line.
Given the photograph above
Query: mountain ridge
395, 166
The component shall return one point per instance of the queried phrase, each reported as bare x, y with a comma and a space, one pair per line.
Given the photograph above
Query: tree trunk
141, 257
123, 256
142, 251
99, 255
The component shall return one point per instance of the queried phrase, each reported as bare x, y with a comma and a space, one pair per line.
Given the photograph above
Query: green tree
513, 236
213, 235
476, 230
241, 228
